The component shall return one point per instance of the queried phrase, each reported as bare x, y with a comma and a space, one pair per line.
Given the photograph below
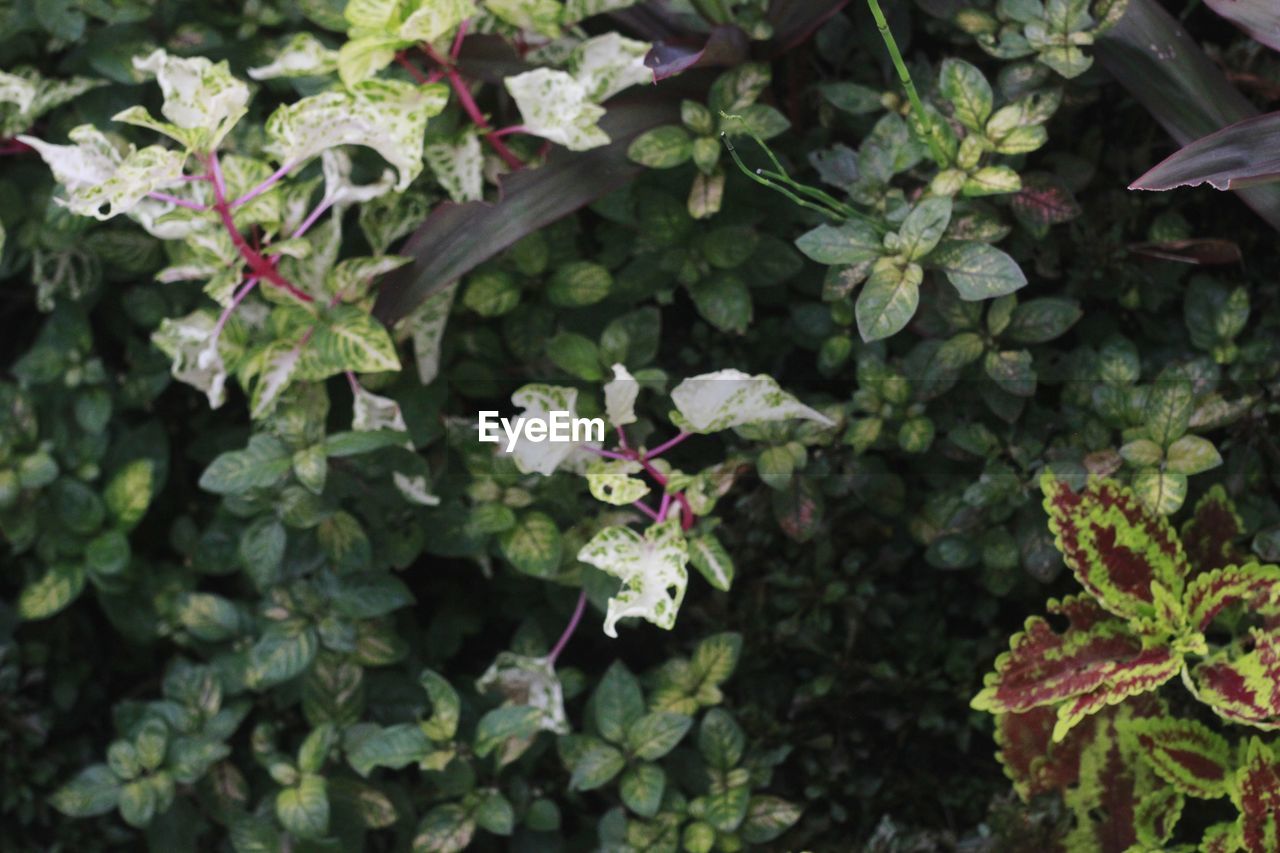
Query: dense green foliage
265, 589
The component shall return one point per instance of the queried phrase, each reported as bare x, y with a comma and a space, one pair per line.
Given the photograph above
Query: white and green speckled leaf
273, 368
371, 412
351, 278
202, 101
607, 64
363, 57
620, 397
542, 16
651, 568
303, 55
711, 558
729, 398
349, 339
613, 481
577, 10
17, 90
529, 681
427, 325
372, 14
555, 106
538, 401
25, 96
388, 116
434, 19
99, 179
459, 166
192, 343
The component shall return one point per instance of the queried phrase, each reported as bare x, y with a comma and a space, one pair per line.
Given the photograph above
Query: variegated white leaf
192, 343
435, 18
612, 481
651, 568
620, 397
729, 398
577, 10
388, 116
555, 106
372, 412
25, 96
459, 167
303, 55
538, 401
541, 16
274, 368
607, 64
20, 91
522, 680
202, 101
371, 14
339, 191
427, 325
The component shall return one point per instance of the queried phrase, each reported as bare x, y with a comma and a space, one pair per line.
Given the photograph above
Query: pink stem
457, 40
569, 629
435, 77
665, 505
646, 509
195, 178
353, 382
411, 68
324, 205
622, 438
263, 187
608, 454
667, 445
478, 119
507, 131
686, 511
173, 199
235, 301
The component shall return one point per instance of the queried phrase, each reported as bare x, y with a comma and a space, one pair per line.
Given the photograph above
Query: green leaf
853, 242
534, 545
280, 655
138, 802
1192, 454
394, 747
262, 548
655, 734
889, 299
977, 270
618, 702
1013, 371
710, 557
851, 97
367, 595
579, 283
1039, 321
922, 230
495, 814
662, 148
723, 301
1168, 409
304, 808
767, 818
716, 657
641, 788
758, 120
720, 740
446, 828
968, 91
349, 339
129, 492
727, 808
576, 355
596, 766
501, 724
55, 589
93, 791
445, 707
259, 465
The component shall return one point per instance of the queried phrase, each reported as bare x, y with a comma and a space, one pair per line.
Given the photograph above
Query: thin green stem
925, 121
764, 182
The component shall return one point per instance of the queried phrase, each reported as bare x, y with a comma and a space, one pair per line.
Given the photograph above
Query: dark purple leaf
1258, 18
457, 237
725, 46
1206, 252
794, 21
1244, 154
1152, 56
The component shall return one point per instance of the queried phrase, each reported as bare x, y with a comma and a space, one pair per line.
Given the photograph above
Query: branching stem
925, 121
569, 629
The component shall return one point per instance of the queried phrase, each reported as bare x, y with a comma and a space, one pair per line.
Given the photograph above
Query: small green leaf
968, 91
445, 829
595, 767
579, 283
534, 545
977, 270
662, 148
618, 702
720, 740
655, 734
712, 559
259, 465
93, 791
394, 747
55, 589
367, 595
495, 814
853, 242
1192, 454
129, 493
923, 228
576, 355
304, 808
889, 299
641, 788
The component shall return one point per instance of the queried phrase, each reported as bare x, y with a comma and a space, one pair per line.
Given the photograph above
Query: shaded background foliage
865, 629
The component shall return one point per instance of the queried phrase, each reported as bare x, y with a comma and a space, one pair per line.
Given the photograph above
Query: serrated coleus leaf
1030, 757
458, 166
613, 481
102, 180
607, 64
202, 101
555, 106
651, 568
1210, 534
426, 325
1185, 753
1115, 546
529, 681
192, 343
1096, 661
620, 395
1242, 687
388, 116
729, 398
1256, 793
303, 55
1119, 803
1255, 587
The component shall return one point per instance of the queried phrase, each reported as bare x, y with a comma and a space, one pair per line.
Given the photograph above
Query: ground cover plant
901, 320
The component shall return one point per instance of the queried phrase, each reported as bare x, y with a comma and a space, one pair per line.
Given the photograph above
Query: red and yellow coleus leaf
1081, 670
1185, 753
1243, 688
1256, 794
1209, 535
1221, 838
1119, 803
1114, 545
1253, 585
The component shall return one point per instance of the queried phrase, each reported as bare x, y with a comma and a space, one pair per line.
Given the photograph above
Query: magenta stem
667, 445
507, 131
646, 509
353, 382
324, 205
569, 629
666, 505
622, 438
458, 39
263, 187
608, 454
181, 202
235, 301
